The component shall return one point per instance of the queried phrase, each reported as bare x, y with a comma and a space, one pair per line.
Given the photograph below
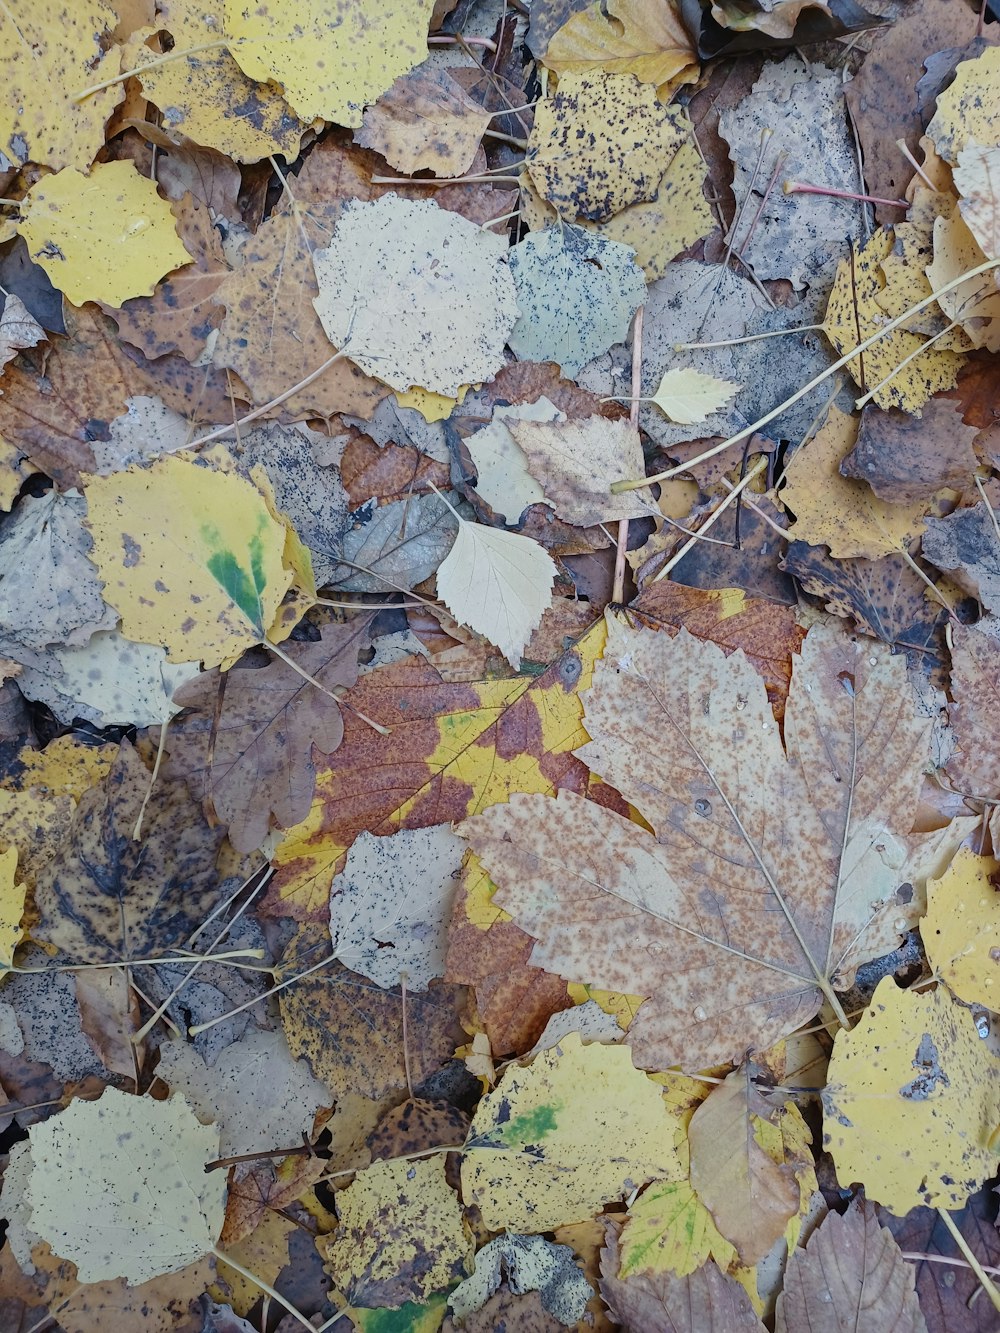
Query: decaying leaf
529, 1263
425, 122
912, 1100
966, 110
419, 295
160, 1213
503, 477
686, 735
535, 1154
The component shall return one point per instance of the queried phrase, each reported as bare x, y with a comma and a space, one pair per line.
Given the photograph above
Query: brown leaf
750, 1196
246, 747
109, 1016
105, 897
182, 311
949, 1293
974, 768
266, 1188
515, 1312
905, 458
389, 473
850, 1275
706, 1301
425, 122
774, 873
883, 97
52, 409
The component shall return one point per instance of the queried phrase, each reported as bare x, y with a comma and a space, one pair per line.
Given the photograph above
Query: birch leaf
688, 396
498, 583
773, 871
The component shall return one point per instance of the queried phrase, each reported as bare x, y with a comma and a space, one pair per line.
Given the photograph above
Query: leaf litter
498, 592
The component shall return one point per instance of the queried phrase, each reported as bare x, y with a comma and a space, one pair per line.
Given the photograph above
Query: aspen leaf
854, 314
688, 396
422, 295
687, 736
119, 1186
103, 237
530, 1263
11, 908
598, 144
967, 109
425, 122
639, 37
49, 51
536, 1155
961, 931
191, 558
912, 1101
975, 303
330, 60
498, 583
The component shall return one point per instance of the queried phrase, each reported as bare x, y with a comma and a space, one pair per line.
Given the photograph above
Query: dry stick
264, 1286
633, 483
618, 587
481, 179
446, 39
901, 144
920, 1257
800, 187
678, 556
973, 1262
137, 827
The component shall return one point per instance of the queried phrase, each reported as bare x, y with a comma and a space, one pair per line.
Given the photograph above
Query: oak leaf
763, 901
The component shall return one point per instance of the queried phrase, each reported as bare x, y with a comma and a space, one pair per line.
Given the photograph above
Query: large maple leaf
773, 870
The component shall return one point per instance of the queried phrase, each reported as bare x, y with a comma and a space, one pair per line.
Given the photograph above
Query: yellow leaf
977, 179
11, 908
331, 60
961, 931
599, 144
34, 821
975, 303
401, 1235
968, 110
431, 406
688, 396
206, 96
65, 767
49, 51
191, 558
854, 314
622, 1007
839, 512
537, 1153
912, 1101
641, 37
498, 583
103, 237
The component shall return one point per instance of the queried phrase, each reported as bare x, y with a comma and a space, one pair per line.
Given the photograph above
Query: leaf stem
151, 64
633, 483
678, 556
984, 1278
264, 1286
248, 1004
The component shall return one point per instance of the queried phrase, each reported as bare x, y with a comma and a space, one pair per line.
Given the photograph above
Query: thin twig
618, 587
984, 1280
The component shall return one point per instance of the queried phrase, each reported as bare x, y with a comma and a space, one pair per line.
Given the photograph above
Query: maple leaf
763, 899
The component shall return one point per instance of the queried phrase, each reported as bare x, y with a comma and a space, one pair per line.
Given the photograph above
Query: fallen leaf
421, 295
67, 224
713, 790
401, 1235
835, 511
18, 329
11, 908
905, 458
503, 478
628, 37
191, 558
854, 314
206, 96
392, 546
425, 122
390, 905
255, 1094
974, 764
576, 293
974, 304
106, 898
498, 583
706, 1301
687, 396
965, 110
329, 64
160, 1215
597, 144
912, 1100
529, 1263
749, 1193
49, 54
246, 749
62, 603
965, 544
977, 180
850, 1275
535, 1158
576, 462
961, 930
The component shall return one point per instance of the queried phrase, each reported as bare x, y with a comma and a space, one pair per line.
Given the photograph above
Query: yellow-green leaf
688, 396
